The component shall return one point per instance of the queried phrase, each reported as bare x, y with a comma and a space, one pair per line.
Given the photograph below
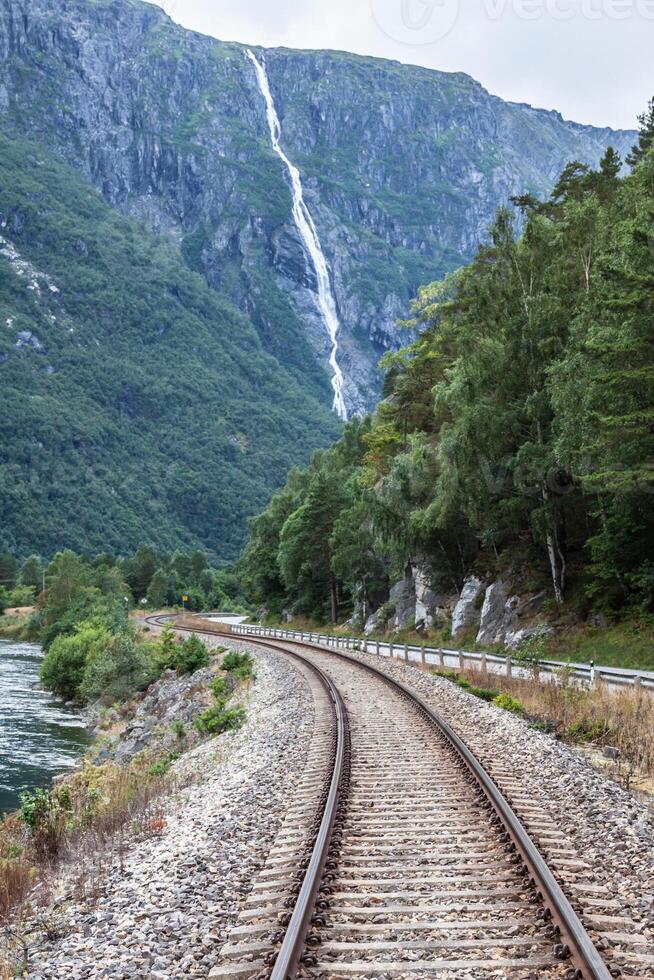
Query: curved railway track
398, 856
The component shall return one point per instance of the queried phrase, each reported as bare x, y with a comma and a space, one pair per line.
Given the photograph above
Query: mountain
138, 178
137, 405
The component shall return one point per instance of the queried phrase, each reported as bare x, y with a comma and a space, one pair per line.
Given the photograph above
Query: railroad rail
416, 854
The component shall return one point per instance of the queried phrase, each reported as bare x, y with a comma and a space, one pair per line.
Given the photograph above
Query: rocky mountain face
402, 168
488, 612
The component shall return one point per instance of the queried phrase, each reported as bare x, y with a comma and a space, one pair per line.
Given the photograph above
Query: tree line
516, 434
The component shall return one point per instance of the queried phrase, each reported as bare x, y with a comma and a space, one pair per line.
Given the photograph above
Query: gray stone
425, 596
373, 623
515, 639
467, 613
403, 597
494, 614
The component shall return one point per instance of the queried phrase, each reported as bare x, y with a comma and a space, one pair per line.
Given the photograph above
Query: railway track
398, 856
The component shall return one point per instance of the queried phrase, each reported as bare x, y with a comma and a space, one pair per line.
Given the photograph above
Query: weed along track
398, 855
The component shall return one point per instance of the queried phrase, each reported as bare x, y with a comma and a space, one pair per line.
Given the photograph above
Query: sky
590, 59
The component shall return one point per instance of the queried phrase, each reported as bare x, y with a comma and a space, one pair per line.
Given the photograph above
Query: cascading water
306, 227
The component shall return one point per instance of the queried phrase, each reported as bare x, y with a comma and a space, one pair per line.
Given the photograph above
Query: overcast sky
591, 59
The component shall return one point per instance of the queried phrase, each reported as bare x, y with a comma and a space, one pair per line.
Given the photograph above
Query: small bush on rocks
178, 728
191, 655
222, 687
219, 719
509, 703
239, 664
162, 766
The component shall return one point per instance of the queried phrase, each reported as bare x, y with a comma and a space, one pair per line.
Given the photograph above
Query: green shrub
166, 649
586, 730
45, 815
509, 703
178, 728
117, 670
191, 655
21, 595
64, 666
222, 687
219, 719
239, 664
162, 766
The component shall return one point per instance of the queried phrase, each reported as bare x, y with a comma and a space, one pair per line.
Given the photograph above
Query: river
39, 737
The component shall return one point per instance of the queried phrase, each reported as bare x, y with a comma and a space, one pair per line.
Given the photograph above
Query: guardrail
444, 658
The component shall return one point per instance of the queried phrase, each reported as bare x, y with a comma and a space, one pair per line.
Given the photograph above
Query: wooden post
441, 657
509, 667
423, 659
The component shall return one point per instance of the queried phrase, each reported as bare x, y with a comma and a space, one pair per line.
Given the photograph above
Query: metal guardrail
445, 658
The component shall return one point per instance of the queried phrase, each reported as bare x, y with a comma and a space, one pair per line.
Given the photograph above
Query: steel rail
575, 942
288, 960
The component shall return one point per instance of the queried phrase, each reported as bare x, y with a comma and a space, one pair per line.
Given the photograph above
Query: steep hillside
403, 168
136, 404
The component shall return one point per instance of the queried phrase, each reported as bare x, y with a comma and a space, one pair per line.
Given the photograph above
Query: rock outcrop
467, 613
403, 167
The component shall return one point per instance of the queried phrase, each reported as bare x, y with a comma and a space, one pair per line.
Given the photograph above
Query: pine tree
645, 137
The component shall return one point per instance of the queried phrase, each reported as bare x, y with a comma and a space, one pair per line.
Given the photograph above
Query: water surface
39, 737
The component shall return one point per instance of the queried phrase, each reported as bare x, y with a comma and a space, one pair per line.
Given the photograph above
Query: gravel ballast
600, 837
166, 911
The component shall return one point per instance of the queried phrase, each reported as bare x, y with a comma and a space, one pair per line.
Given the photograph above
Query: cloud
590, 59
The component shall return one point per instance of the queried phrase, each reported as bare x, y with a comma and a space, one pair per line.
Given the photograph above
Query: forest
516, 434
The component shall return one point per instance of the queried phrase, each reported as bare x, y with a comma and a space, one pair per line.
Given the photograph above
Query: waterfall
307, 229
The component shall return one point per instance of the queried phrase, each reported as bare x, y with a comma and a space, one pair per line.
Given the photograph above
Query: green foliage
117, 670
508, 703
31, 574
190, 424
161, 767
518, 429
586, 730
219, 719
241, 665
191, 655
178, 728
8, 571
64, 667
166, 649
21, 595
221, 688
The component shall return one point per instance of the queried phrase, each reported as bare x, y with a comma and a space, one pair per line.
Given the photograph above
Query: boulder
403, 597
373, 623
515, 639
467, 612
494, 612
425, 596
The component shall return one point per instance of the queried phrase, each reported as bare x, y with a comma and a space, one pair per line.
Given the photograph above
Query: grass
82, 824
13, 625
625, 644
621, 719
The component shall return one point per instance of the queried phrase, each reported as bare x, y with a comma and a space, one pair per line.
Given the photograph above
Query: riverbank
66, 838
14, 623
41, 736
